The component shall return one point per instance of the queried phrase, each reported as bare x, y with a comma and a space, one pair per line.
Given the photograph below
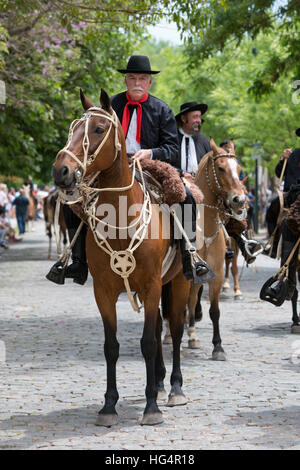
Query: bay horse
96, 152
49, 206
218, 178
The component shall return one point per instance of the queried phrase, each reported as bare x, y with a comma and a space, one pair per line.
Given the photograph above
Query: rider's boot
78, 270
194, 268
249, 248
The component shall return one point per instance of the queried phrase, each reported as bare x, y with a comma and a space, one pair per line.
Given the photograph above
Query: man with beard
192, 144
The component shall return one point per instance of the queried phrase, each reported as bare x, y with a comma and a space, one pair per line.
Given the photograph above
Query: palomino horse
218, 178
49, 205
96, 154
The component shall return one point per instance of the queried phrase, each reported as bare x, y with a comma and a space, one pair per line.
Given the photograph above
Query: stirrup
206, 277
57, 273
274, 293
250, 248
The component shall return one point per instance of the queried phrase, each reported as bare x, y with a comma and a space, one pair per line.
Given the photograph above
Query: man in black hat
148, 123
192, 144
150, 131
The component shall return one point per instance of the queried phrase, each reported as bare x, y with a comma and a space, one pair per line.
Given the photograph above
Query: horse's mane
202, 164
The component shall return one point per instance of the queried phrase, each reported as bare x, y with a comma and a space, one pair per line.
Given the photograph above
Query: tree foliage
209, 29
48, 50
223, 82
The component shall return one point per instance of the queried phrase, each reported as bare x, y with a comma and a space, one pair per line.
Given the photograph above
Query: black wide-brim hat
298, 132
191, 106
138, 64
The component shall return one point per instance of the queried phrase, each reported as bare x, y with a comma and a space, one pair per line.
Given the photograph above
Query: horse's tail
166, 300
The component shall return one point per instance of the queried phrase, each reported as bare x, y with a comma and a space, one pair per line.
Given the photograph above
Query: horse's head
225, 178
92, 146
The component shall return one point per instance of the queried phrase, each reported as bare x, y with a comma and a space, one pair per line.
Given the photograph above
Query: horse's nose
61, 175
238, 199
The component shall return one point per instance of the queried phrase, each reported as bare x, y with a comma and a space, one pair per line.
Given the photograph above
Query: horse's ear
230, 146
86, 103
214, 146
105, 101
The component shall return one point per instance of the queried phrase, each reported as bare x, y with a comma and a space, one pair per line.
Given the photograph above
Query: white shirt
132, 146
192, 163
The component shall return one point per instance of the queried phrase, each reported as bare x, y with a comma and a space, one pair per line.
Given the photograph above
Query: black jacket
292, 170
202, 146
158, 127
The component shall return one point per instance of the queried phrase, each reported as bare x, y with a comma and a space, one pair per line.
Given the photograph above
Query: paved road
52, 368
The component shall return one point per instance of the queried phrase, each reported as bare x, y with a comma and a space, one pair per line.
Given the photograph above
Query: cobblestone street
53, 372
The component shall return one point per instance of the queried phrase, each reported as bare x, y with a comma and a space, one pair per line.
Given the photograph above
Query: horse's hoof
107, 420
219, 356
194, 344
167, 339
295, 329
162, 395
150, 419
177, 400
238, 297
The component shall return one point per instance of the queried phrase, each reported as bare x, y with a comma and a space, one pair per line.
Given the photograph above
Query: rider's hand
143, 154
286, 154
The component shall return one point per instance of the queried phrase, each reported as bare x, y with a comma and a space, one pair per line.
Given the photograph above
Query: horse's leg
198, 308
179, 291
65, 239
218, 353
152, 414
107, 415
160, 370
167, 337
296, 321
235, 274
193, 342
226, 285
49, 233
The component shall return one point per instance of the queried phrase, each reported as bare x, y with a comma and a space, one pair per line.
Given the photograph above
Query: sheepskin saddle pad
165, 183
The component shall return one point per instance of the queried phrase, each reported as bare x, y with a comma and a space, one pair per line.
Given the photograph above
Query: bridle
121, 262
213, 159
89, 159
221, 195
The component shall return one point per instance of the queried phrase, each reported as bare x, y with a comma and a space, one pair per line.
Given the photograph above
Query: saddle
165, 183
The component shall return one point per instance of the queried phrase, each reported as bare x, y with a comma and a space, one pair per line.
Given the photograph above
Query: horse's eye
222, 170
99, 130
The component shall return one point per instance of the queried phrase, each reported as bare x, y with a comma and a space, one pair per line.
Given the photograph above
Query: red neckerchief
126, 115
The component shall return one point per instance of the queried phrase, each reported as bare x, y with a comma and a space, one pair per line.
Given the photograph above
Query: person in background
21, 203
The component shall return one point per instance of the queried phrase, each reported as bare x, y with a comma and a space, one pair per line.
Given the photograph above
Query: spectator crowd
14, 211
